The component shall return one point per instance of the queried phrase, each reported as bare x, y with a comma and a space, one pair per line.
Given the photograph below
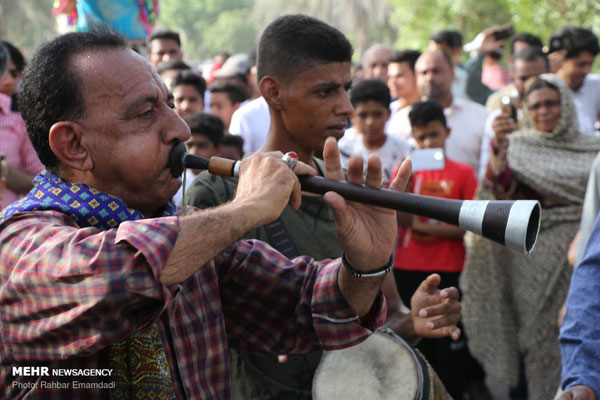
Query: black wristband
360, 274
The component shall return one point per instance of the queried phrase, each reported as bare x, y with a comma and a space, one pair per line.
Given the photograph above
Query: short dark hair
172, 65
15, 55
408, 56
188, 77
235, 92
235, 141
575, 40
448, 37
51, 89
208, 125
164, 34
423, 112
531, 54
295, 43
370, 90
531, 40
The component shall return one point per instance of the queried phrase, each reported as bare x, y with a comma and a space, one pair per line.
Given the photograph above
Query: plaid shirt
15, 144
67, 292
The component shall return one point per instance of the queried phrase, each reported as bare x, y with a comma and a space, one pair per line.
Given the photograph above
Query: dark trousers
451, 360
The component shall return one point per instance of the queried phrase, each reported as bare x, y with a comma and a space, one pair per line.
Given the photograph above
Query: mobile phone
508, 107
428, 159
504, 32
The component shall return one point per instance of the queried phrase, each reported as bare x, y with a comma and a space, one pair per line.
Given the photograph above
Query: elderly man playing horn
100, 279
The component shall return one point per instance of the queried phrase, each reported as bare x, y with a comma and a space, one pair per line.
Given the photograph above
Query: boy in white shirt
371, 101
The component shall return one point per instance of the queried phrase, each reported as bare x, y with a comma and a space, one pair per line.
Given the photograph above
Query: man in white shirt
402, 83
573, 51
465, 118
251, 121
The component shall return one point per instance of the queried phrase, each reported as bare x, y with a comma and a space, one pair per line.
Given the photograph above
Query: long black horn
514, 224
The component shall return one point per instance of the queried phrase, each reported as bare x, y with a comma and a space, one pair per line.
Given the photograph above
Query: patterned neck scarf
140, 365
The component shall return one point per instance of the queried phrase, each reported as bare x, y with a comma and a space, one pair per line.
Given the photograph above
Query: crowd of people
107, 262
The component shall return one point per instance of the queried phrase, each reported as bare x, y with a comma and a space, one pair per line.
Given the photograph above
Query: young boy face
200, 145
430, 136
369, 118
222, 107
187, 100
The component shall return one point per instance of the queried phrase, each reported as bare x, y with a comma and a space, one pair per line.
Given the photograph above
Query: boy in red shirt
426, 246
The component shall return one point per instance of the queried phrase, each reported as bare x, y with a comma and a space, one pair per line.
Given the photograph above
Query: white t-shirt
466, 120
251, 121
392, 153
399, 125
587, 103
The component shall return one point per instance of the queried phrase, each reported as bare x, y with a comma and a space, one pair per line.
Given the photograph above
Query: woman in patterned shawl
510, 300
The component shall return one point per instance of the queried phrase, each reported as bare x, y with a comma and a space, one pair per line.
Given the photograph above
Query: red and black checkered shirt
66, 293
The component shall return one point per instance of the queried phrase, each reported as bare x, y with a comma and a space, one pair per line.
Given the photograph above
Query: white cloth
459, 85
251, 121
393, 151
466, 120
189, 178
587, 103
399, 125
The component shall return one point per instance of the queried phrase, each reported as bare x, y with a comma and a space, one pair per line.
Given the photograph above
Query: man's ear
65, 142
448, 130
269, 88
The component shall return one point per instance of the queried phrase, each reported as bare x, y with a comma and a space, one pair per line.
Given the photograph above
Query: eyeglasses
547, 104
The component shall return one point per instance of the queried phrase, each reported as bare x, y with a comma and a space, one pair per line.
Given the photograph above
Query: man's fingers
430, 284
450, 293
331, 157
446, 309
304, 169
400, 182
296, 196
374, 172
355, 170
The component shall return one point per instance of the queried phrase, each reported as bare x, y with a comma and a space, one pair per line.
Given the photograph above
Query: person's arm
367, 233
580, 331
265, 187
475, 88
18, 181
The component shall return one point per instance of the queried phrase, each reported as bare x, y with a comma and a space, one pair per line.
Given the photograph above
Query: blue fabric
580, 331
122, 15
87, 206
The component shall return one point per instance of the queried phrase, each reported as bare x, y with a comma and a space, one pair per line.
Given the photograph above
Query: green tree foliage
210, 26
415, 21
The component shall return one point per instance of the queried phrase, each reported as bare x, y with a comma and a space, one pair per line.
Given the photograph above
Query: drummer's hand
435, 312
578, 393
367, 233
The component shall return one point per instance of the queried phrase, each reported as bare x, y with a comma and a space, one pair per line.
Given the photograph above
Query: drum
383, 367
